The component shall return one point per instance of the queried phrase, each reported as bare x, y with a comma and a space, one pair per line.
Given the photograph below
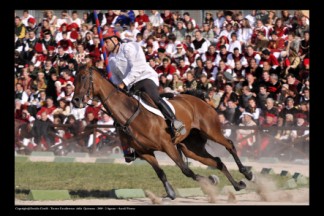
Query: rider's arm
135, 61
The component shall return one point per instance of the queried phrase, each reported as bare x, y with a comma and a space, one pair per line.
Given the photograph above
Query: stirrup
179, 127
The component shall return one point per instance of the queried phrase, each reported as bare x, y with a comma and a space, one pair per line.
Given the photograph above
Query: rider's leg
129, 153
167, 112
151, 89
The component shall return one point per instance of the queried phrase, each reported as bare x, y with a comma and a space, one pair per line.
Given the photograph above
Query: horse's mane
85, 67
103, 75
197, 93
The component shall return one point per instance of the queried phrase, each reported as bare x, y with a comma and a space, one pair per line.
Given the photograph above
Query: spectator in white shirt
156, 18
246, 32
227, 31
25, 17
75, 18
219, 20
130, 34
65, 18
251, 17
234, 44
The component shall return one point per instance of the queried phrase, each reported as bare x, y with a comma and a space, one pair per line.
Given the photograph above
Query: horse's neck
119, 105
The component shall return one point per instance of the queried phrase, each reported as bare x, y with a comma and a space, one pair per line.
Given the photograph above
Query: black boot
167, 112
130, 157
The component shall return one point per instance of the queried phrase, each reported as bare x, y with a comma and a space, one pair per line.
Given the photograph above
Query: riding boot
168, 114
129, 153
129, 157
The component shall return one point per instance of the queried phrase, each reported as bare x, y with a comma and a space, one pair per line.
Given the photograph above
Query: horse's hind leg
150, 158
229, 145
204, 157
173, 153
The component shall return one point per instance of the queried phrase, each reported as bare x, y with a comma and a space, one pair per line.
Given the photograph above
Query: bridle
124, 127
91, 88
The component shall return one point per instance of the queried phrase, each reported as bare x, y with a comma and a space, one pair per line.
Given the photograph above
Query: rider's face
110, 45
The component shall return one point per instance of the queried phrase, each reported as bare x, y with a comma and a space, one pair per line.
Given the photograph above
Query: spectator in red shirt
141, 20
293, 82
167, 17
150, 53
94, 108
280, 29
166, 69
276, 44
66, 43
259, 28
48, 108
66, 76
163, 41
270, 58
110, 17
183, 68
153, 64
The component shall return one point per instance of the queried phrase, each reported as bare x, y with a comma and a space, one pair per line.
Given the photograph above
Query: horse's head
84, 87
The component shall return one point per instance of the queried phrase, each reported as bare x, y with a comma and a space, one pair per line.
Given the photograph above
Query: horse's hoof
249, 176
172, 196
241, 185
214, 179
169, 196
169, 190
253, 179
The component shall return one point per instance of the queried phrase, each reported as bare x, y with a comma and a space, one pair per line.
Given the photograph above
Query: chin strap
115, 45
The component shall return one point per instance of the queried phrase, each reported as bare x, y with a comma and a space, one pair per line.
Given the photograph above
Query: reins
125, 127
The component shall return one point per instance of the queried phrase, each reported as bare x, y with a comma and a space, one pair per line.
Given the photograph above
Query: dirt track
287, 197
265, 195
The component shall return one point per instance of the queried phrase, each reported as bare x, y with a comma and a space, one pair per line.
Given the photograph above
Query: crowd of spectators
253, 69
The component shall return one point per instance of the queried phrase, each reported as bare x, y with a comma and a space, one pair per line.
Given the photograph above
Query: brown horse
146, 132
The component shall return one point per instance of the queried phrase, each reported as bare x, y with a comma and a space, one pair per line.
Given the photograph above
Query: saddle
146, 98
149, 104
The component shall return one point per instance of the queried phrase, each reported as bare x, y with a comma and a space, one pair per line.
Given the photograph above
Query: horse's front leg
150, 158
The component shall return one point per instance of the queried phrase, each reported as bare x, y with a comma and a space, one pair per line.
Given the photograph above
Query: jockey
129, 69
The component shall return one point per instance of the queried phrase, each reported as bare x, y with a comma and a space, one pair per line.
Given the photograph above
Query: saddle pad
152, 109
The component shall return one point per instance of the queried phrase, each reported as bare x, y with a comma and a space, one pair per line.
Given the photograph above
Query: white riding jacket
129, 65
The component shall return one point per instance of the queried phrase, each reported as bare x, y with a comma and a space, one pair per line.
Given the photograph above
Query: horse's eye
83, 77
